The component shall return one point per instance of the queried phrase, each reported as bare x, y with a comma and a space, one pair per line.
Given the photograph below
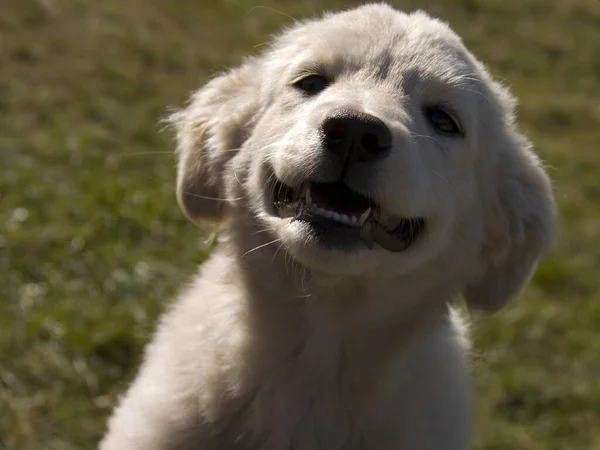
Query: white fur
282, 343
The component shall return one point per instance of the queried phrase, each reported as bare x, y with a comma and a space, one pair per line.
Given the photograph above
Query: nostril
371, 144
335, 130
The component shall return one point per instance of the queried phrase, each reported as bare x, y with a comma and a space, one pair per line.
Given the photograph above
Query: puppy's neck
279, 287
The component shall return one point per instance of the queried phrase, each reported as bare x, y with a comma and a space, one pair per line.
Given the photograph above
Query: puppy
366, 171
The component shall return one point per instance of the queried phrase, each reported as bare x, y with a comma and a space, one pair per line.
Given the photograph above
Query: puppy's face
370, 142
364, 159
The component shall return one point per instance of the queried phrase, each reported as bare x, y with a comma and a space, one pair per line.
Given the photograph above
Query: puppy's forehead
378, 40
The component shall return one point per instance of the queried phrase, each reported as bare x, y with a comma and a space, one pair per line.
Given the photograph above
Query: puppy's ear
518, 214
210, 130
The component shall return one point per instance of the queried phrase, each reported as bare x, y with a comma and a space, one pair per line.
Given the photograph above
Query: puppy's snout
356, 135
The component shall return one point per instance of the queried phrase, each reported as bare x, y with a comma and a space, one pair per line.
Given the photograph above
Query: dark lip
396, 235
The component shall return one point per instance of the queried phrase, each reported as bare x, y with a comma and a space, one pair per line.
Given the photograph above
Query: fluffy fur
284, 342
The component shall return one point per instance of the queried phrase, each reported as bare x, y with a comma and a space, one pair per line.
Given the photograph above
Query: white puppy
366, 170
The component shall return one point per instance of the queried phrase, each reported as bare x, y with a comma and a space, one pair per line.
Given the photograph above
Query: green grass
92, 244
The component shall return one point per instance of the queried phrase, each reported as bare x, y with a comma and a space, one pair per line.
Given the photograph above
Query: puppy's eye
442, 121
312, 84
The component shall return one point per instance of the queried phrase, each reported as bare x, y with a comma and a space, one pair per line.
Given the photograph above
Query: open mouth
335, 207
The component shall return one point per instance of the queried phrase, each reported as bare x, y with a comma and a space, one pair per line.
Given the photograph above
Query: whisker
236, 177
285, 263
147, 153
204, 197
441, 177
482, 95
276, 251
303, 278
261, 231
197, 195
261, 246
268, 8
426, 137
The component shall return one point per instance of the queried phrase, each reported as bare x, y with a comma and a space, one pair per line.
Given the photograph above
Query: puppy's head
371, 143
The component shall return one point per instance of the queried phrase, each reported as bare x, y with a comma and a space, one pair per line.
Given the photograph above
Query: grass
92, 244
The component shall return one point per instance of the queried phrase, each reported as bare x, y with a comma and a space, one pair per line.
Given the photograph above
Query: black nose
356, 135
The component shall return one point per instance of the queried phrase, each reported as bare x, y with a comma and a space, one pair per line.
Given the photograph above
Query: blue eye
312, 84
442, 121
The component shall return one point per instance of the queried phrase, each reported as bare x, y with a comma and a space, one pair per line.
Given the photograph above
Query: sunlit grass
92, 244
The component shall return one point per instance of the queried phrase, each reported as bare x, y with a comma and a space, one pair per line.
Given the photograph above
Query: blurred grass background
92, 244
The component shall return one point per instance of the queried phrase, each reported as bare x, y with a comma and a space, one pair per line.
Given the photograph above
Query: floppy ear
210, 130
518, 214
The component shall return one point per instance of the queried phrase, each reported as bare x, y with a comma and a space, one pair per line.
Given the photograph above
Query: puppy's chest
303, 405
304, 411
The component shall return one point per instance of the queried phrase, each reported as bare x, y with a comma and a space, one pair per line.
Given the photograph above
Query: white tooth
353, 220
336, 216
364, 216
308, 198
320, 212
313, 208
344, 218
